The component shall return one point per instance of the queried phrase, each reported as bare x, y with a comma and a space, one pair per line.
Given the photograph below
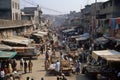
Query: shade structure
5, 47
5, 54
110, 55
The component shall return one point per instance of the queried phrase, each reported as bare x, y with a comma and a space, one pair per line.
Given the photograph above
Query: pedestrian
14, 64
58, 78
21, 64
25, 66
57, 67
30, 65
63, 77
27, 78
32, 79
78, 64
11, 77
2, 74
42, 49
10, 70
42, 78
5, 69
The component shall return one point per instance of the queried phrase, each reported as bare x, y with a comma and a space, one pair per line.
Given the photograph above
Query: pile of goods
65, 63
73, 54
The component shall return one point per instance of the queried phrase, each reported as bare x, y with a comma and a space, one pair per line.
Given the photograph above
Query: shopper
30, 65
25, 66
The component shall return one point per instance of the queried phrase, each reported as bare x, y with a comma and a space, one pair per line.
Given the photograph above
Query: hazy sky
63, 6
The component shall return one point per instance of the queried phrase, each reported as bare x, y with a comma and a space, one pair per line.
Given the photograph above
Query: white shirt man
2, 73
57, 66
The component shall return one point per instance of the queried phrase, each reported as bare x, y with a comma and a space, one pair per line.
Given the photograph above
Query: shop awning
4, 54
38, 35
44, 33
101, 40
82, 38
68, 30
5, 47
18, 40
105, 54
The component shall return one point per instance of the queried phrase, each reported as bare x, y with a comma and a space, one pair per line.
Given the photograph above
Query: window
13, 4
13, 16
18, 6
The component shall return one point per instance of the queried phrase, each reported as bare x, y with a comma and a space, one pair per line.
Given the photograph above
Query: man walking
25, 67
57, 67
30, 65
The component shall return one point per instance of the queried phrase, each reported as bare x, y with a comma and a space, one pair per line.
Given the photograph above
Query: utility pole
93, 25
95, 20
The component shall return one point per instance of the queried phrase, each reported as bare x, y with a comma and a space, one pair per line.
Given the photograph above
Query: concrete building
32, 13
89, 16
109, 18
10, 10
110, 9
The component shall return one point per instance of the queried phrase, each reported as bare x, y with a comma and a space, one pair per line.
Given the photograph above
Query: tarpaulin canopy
38, 35
101, 40
4, 54
41, 32
68, 30
5, 47
18, 40
82, 38
107, 54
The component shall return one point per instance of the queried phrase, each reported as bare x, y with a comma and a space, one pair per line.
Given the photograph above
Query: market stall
105, 63
4, 47
26, 51
7, 55
105, 54
17, 41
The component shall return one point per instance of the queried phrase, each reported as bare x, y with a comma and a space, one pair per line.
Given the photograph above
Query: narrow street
39, 70
79, 40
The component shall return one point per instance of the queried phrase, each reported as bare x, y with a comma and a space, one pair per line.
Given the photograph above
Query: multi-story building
10, 10
88, 16
109, 17
110, 9
32, 13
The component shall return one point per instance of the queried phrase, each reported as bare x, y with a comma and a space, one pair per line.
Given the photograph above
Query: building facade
110, 9
32, 13
10, 10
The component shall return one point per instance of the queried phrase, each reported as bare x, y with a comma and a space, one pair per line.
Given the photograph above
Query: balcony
13, 24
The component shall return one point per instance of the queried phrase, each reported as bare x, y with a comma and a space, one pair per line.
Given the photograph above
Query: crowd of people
7, 66
26, 66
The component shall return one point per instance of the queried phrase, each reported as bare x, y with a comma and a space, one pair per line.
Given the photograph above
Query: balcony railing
14, 23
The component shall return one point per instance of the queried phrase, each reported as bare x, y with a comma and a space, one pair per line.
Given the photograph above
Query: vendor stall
105, 54
105, 63
17, 41
66, 68
4, 47
7, 55
26, 51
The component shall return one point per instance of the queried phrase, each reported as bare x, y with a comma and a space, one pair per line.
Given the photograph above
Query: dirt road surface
39, 71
